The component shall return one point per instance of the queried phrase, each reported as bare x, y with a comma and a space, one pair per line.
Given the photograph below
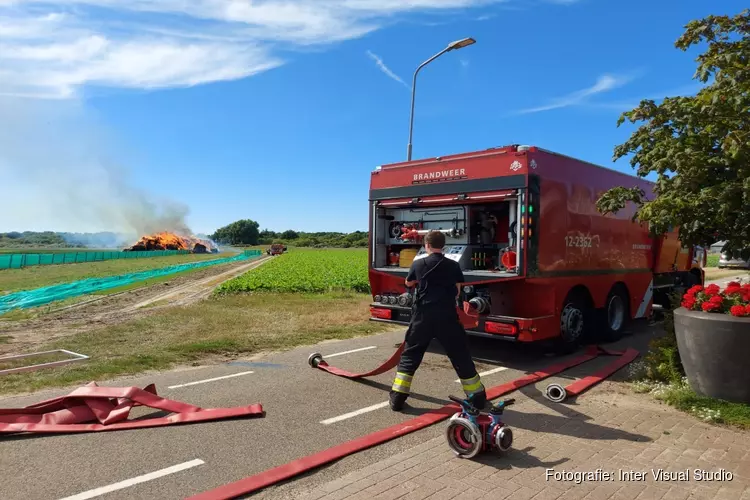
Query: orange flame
171, 241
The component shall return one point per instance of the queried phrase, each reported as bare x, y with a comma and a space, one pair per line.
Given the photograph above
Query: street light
458, 44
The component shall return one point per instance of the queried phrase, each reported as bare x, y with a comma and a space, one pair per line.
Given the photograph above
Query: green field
306, 271
222, 329
32, 277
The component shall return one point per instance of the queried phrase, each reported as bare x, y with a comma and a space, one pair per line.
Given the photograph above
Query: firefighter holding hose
434, 316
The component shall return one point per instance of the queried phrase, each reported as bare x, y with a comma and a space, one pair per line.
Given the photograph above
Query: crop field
306, 271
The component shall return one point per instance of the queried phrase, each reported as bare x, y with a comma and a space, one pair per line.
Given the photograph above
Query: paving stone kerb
615, 432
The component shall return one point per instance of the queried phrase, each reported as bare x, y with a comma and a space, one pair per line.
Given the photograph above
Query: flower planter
714, 350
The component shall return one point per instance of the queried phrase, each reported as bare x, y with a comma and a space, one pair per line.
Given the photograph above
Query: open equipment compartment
482, 233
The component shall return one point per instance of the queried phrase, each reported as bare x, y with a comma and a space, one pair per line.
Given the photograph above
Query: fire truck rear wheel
575, 323
616, 314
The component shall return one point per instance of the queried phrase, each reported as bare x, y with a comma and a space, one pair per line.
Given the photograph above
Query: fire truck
540, 263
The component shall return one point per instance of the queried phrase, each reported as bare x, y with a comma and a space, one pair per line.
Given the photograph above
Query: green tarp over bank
45, 295
19, 260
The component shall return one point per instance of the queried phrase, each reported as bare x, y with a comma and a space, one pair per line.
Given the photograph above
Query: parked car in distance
734, 261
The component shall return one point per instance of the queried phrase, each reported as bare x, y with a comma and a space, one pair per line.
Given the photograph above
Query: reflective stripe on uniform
402, 383
472, 385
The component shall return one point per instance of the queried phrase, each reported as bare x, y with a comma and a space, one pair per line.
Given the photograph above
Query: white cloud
53, 49
385, 69
628, 104
64, 45
604, 83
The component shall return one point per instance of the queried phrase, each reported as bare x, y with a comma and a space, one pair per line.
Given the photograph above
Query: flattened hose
296, 467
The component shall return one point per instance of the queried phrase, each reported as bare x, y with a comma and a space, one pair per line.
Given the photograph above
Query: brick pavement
608, 428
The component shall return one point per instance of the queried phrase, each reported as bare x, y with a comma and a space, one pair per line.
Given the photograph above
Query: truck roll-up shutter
457, 199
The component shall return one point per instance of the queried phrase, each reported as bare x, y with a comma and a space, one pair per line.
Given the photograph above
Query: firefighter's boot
475, 392
400, 390
479, 400
397, 400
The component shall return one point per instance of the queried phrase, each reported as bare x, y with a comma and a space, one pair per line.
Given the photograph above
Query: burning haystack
172, 241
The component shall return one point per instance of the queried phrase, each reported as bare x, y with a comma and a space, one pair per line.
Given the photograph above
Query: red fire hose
558, 394
109, 407
301, 465
316, 361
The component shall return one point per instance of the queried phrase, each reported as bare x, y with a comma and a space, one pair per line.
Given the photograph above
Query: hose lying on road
316, 361
109, 407
296, 467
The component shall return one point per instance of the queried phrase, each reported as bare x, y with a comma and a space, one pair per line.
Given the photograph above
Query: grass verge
226, 326
26, 314
713, 273
681, 396
28, 278
660, 374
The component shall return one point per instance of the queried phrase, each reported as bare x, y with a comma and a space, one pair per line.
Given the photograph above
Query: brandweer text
440, 174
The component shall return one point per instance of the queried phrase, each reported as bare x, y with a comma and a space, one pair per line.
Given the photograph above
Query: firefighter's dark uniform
434, 317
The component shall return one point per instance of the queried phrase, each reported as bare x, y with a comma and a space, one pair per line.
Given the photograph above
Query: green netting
19, 260
45, 295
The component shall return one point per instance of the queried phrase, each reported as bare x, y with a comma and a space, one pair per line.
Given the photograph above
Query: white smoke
58, 173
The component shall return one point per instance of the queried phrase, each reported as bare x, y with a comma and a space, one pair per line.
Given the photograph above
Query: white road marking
135, 480
354, 413
489, 372
349, 352
209, 380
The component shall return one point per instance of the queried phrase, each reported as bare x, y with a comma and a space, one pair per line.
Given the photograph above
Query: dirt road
119, 307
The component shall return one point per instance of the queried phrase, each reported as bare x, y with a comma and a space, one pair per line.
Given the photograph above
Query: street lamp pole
459, 44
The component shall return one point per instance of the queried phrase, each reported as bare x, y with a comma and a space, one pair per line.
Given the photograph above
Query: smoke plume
59, 171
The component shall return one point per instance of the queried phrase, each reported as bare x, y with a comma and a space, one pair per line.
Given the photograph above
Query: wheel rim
615, 313
571, 323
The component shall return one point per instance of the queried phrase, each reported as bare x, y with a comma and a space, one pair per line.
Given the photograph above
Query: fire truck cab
540, 262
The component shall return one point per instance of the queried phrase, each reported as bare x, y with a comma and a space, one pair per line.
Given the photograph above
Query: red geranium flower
740, 311
688, 303
731, 290
747, 308
716, 299
712, 290
710, 306
732, 283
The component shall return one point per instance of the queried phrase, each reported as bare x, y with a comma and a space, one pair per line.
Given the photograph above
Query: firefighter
434, 316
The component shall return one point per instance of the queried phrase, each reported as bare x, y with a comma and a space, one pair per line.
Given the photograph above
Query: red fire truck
540, 262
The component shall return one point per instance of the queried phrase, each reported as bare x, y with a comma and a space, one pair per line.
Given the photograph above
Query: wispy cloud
628, 104
604, 83
55, 49
385, 69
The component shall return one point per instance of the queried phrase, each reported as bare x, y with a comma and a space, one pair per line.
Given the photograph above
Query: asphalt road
297, 400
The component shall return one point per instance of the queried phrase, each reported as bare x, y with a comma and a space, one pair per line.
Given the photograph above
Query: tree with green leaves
699, 146
241, 232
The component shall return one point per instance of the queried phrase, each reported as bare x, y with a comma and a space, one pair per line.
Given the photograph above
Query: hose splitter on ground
555, 393
472, 431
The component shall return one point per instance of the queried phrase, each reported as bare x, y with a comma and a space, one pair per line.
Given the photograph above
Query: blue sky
278, 110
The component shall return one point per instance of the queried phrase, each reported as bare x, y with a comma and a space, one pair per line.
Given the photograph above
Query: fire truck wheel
616, 314
575, 323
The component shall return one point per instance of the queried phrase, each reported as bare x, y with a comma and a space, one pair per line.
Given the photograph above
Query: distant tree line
51, 239
31, 239
240, 233
246, 232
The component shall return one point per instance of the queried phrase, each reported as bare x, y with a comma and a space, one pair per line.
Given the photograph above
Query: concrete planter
714, 349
